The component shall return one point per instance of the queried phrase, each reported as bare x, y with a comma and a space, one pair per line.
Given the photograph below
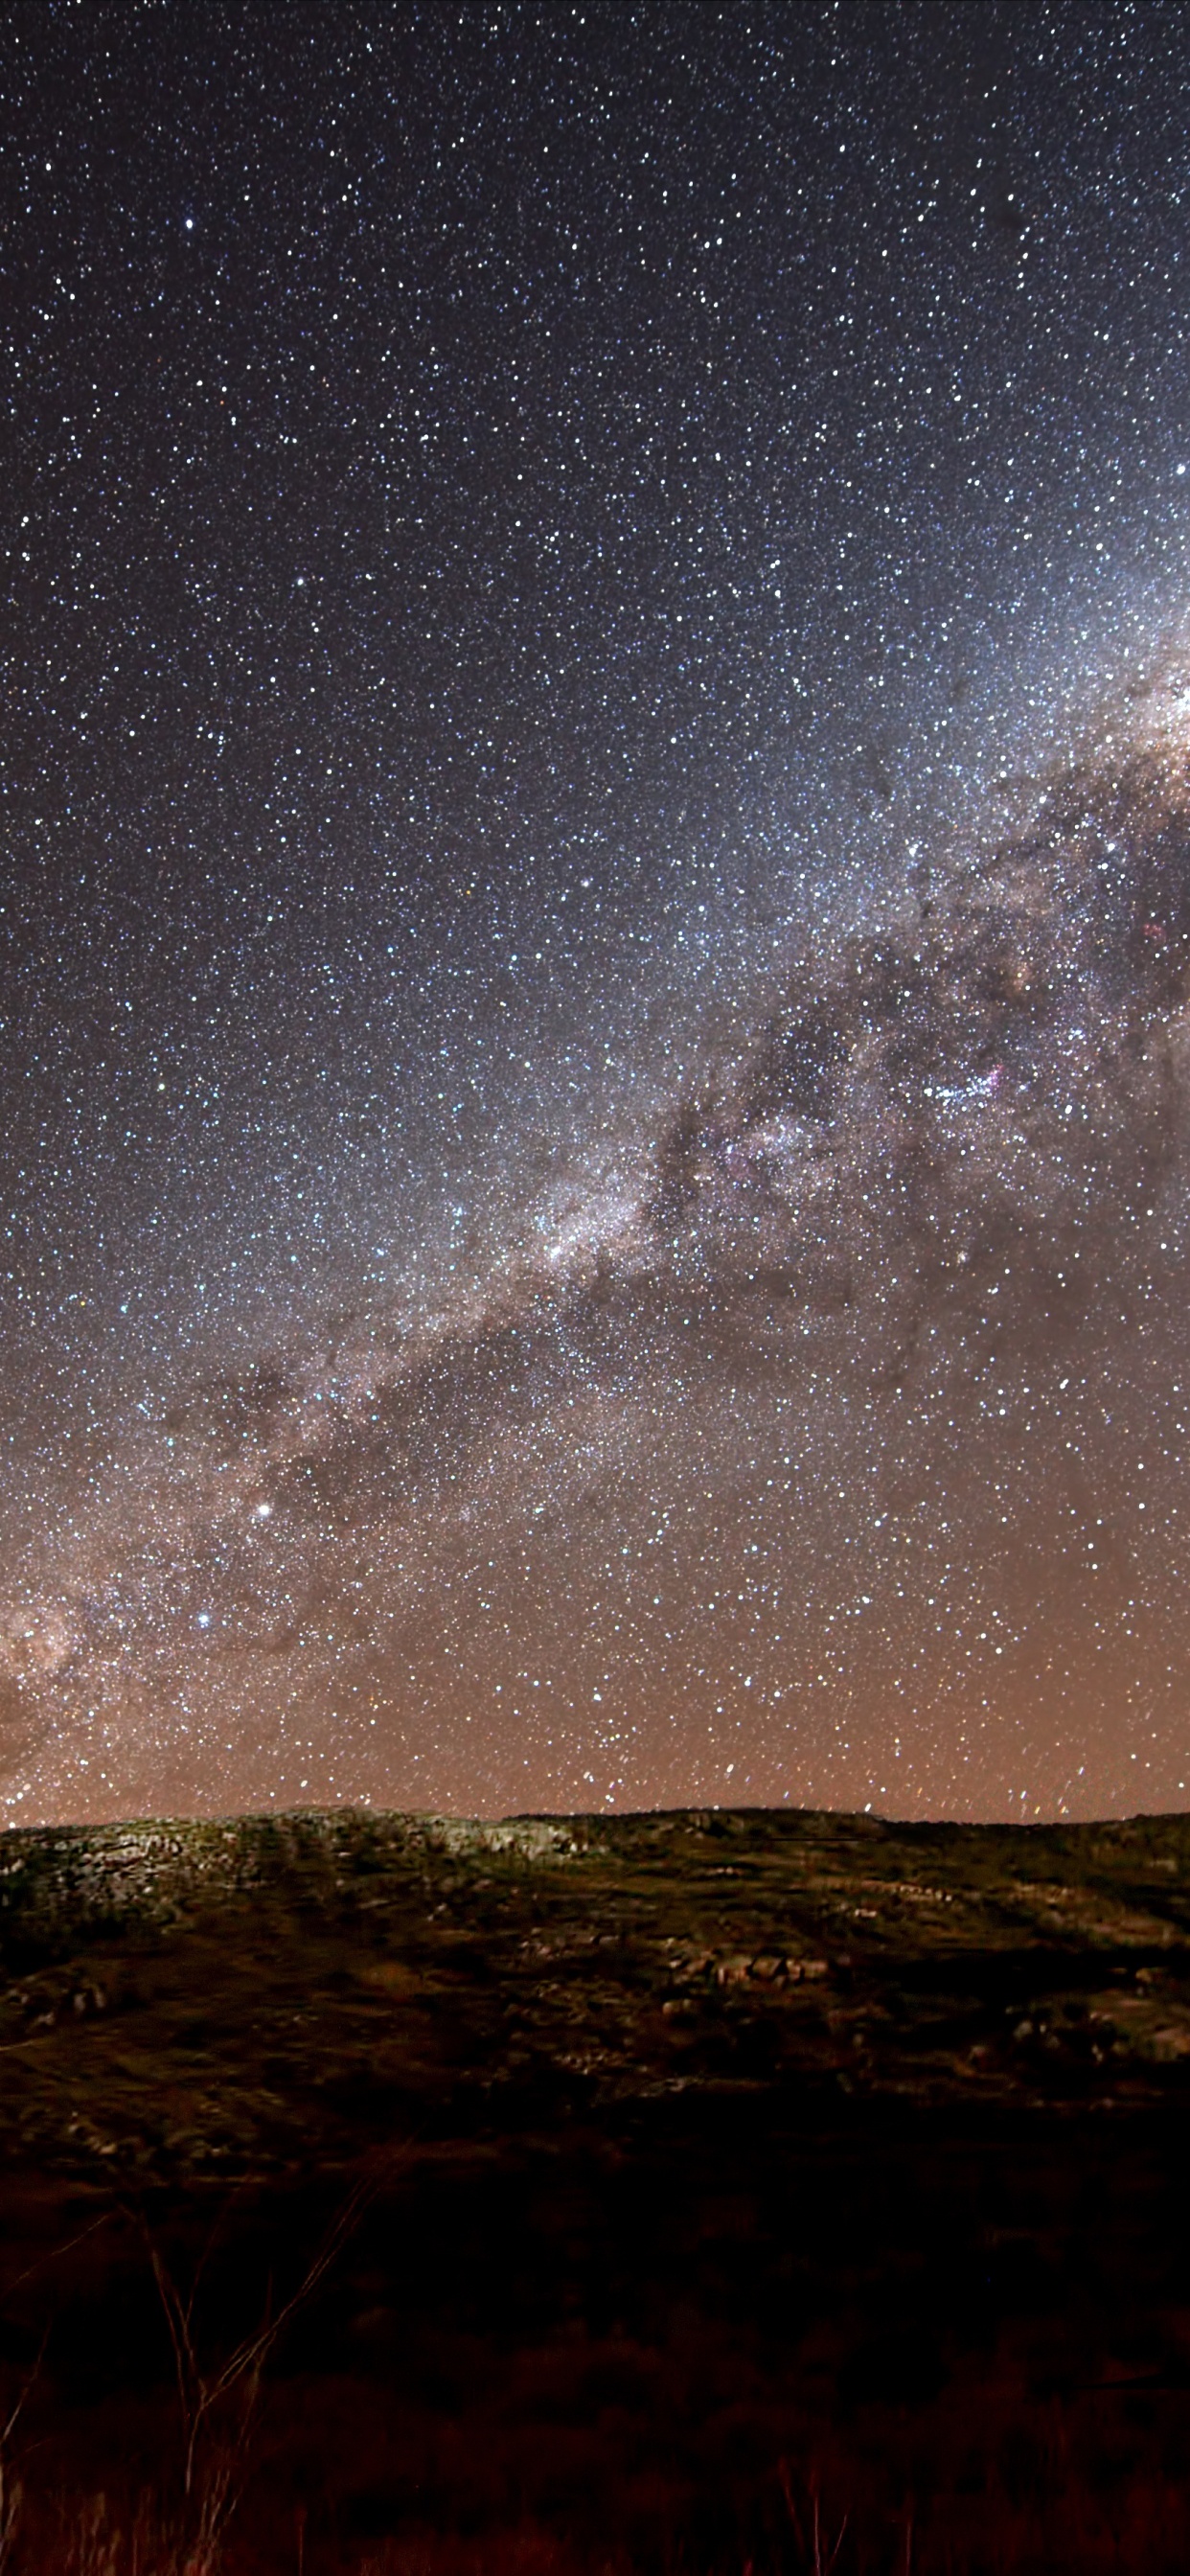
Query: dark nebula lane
848, 1443
596, 998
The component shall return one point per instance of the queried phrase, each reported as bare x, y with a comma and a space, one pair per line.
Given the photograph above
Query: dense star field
595, 968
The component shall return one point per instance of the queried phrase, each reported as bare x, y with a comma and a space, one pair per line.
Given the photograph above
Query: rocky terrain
624, 2182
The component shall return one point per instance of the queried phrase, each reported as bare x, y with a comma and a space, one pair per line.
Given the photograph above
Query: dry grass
678, 2209
815, 2531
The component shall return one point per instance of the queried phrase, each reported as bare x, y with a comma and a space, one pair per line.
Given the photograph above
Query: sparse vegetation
456, 2198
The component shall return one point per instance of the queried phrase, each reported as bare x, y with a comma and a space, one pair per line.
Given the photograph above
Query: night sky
595, 934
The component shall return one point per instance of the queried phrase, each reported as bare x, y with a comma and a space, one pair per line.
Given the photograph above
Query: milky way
596, 1010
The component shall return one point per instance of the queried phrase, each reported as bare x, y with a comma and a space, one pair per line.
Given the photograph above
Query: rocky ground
611, 2186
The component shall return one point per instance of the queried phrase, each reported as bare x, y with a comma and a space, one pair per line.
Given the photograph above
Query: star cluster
596, 909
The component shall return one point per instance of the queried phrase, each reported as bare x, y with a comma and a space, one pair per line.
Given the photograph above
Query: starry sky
594, 907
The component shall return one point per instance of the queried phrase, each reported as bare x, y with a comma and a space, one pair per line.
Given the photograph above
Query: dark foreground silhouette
678, 2192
